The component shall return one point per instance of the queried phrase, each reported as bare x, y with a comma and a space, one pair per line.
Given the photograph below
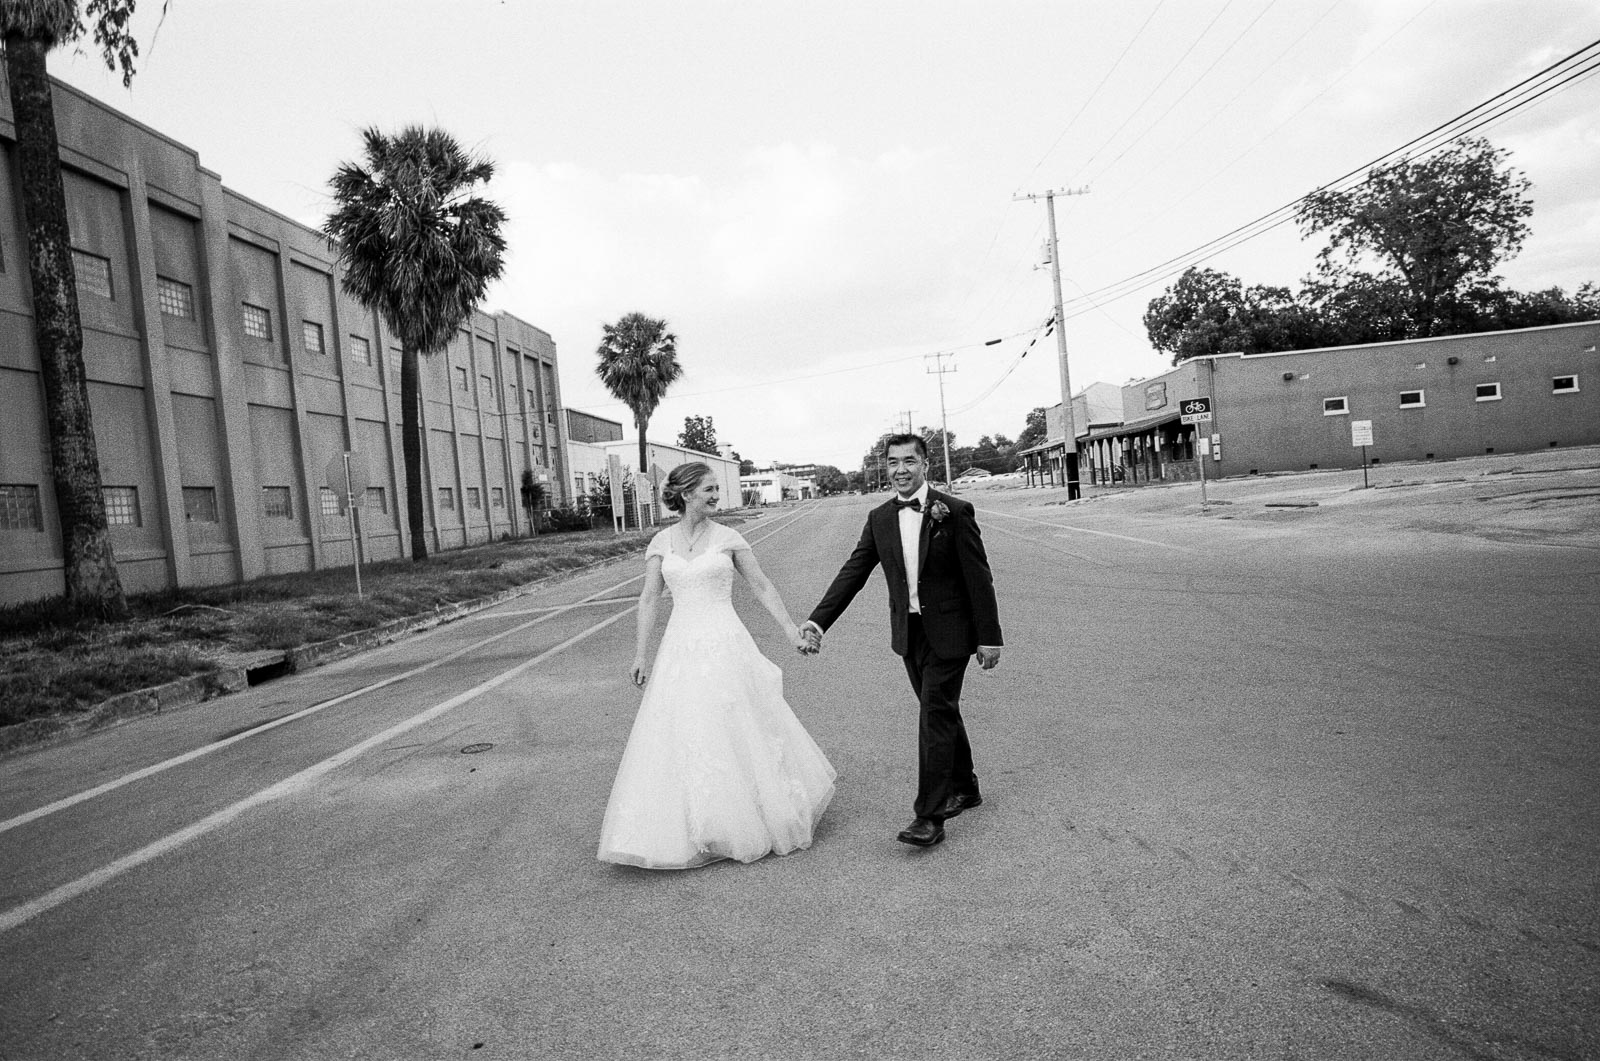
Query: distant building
771, 486
1425, 399
587, 438
227, 370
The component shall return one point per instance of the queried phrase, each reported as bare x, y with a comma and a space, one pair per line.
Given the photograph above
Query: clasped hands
808, 640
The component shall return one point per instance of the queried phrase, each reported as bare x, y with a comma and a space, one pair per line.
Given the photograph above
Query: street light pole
1070, 443
944, 424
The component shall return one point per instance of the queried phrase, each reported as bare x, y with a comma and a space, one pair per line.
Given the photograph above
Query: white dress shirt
910, 539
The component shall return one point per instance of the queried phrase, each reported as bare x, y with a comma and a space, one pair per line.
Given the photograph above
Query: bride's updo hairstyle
682, 480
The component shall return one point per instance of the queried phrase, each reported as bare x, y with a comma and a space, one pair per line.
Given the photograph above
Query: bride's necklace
690, 541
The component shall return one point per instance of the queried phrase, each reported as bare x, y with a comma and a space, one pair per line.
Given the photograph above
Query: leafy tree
32, 28
698, 434
638, 362
1438, 224
831, 480
420, 248
534, 498
1034, 430
746, 467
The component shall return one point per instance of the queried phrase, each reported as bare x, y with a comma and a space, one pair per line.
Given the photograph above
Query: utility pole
1070, 448
944, 426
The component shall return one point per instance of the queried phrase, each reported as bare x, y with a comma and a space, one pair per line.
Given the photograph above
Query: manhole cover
474, 749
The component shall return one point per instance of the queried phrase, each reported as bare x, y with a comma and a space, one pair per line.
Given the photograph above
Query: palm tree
419, 248
638, 362
31, 29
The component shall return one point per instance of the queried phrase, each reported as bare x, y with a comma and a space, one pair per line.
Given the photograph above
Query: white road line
255, 731
288, 786
1085, 530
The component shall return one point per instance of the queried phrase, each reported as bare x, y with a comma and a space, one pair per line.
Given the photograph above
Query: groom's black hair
907, 440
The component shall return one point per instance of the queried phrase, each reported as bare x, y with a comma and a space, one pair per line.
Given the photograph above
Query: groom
941, 611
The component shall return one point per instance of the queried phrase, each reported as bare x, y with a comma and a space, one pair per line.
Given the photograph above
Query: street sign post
1361, 435
347, 477
1197, 411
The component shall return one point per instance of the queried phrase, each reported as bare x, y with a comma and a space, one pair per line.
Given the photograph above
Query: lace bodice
702, 583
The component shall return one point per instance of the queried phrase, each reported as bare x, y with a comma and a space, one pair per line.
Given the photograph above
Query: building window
176, 298
93, 273
277, 502
447, 497
360, 351
377, 500
486, 390
461, 380
122, 505
497, 497
200, 504
1564, 385
257, 322
330, 503
1411, 400
1486, 392
19, 508
394, 361
1335, 406
311, 337
577, 484
474, 498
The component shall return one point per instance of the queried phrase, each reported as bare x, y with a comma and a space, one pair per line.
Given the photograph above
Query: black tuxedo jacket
954, 587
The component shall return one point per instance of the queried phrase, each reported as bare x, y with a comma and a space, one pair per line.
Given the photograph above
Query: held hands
809, 640
988, 656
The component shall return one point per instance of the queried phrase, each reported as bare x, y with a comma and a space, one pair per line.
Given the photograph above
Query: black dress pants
944, 762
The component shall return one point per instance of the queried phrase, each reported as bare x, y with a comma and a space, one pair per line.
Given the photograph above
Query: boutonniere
938, 511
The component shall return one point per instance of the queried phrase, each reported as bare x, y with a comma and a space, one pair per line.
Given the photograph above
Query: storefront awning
1136, 427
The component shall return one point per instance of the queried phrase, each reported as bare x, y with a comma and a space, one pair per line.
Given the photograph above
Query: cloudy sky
818, 196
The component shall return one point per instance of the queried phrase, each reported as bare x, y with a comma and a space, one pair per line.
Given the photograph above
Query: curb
263, 666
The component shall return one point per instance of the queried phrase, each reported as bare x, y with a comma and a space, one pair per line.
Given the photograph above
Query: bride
717, 765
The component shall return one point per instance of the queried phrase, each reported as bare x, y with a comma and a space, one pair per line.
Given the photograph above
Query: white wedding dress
717, 765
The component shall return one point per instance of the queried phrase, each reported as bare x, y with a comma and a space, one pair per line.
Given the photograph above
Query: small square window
461, 380
486, 389
497, 497
257, 322
200, 504
176, 298
1412, 400
1335, 406
360, 351
474, 498
447, 497
122, 505
394, 362
330, 504
93, 274
377, 500
1486, 392
277, 502
19, 508
1564, 385
311, 337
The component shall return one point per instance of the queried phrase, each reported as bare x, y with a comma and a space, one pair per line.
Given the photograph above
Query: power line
1498, 106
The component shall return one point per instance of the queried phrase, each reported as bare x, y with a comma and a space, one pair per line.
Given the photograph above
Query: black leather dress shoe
959, 802
924, 832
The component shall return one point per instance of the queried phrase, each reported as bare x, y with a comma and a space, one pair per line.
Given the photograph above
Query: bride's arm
745, 561
649, 600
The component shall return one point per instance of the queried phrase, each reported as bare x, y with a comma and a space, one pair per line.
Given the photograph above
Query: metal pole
1200, 459
1070, 443
1364, 483
355, 532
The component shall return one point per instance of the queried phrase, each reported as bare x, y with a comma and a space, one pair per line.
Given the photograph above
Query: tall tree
699, 434
638, 362
1438, 223
420, 247
1034, 429
31, 29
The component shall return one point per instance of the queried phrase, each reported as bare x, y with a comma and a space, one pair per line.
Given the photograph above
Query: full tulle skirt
717, 766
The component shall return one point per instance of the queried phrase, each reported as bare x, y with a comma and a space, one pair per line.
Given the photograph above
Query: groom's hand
988, 656
811, 633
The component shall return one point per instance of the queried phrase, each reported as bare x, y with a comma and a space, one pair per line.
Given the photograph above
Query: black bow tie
915, 504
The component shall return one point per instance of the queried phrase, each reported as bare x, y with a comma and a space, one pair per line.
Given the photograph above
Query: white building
771, 487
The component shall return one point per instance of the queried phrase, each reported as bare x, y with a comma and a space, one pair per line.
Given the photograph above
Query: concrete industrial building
227, 369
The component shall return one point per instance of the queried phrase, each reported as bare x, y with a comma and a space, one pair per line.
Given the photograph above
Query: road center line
288, 786
1085, 530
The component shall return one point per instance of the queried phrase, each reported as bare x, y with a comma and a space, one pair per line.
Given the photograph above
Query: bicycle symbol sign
1195, 410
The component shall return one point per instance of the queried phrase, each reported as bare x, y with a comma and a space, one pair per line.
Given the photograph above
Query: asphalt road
1272, 780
